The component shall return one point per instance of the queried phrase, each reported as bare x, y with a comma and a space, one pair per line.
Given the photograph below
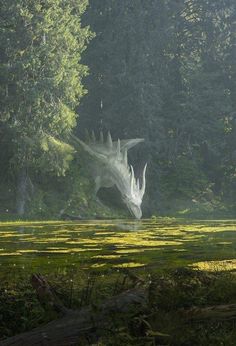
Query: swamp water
100, 245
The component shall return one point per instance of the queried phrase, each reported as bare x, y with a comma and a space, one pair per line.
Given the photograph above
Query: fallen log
87, 325
75, 327
216, 312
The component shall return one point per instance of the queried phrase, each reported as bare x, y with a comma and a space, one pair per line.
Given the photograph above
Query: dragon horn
142, 191
132, 180
118, 148
125, 156
109, 140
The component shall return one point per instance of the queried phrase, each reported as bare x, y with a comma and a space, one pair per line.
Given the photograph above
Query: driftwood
76, 327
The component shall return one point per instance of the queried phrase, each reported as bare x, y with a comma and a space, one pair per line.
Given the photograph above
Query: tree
41, 82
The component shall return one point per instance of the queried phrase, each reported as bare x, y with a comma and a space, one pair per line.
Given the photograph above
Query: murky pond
161, 243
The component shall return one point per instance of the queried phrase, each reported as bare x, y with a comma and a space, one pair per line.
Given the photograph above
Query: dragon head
133, 199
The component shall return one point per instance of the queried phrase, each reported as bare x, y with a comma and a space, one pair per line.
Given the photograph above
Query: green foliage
41, 64
56, 156
184, 179
166, 72
41, 84
20, 310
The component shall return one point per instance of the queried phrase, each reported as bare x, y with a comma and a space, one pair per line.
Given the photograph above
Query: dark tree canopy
164, 70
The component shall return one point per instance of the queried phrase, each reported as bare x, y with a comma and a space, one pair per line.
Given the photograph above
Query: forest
159, 70
117, 172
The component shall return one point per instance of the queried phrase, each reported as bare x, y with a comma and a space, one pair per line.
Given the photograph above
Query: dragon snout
135, 210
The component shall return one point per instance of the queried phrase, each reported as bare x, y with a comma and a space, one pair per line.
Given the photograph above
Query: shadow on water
116, 244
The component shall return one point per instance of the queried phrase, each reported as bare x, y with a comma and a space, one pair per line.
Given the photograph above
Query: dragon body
110, 168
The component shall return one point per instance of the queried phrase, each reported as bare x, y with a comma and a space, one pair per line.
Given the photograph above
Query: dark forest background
164, 70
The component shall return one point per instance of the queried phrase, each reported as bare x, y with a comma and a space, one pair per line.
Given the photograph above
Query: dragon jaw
134, 206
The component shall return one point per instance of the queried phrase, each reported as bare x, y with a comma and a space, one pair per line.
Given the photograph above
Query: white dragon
110, 167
